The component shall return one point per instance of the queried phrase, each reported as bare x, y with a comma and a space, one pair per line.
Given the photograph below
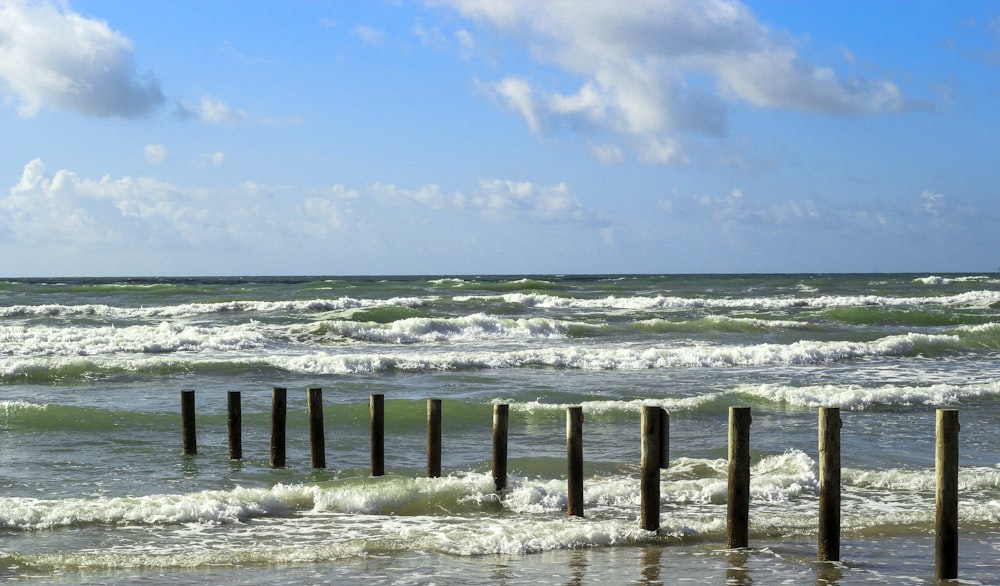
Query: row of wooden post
828, 538
655, 440
317, 440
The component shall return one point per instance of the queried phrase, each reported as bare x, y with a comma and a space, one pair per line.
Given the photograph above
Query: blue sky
174, 137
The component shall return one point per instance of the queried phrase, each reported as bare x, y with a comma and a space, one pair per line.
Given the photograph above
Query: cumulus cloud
545, 203
52, 56
62, 208
500, 199
652, 69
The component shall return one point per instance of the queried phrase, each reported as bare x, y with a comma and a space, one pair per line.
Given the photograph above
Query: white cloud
652, 69
215, 111
505, 198
430, 37
467, 46
500, 199
52, 56
516, 95
739, 210
932, 202
661, 152
63, 207
155, 153
213, 159
137, 216
609, 154
369, 34
212, 110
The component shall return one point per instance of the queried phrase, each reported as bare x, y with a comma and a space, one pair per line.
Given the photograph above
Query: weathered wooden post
234, 424
433, 438
664, 438
377, 407
279, 410
574, 456
317, 441
946, 516
189, 438
500, 417
649, 479
738, 506
828, 542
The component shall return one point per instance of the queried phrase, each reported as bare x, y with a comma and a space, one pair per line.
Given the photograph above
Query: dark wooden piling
828, 539
377, 408
574, 457
433, 438
317, 441
664, 439
189, 438
234, 424
279, 410
738, 505
649, 483
500, 417
946, 515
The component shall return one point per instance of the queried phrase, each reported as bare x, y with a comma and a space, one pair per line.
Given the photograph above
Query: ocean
95, 489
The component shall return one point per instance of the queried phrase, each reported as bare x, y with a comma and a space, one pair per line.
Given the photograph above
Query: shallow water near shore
94, 489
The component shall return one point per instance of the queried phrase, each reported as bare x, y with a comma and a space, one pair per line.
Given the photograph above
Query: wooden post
234, 422
946, 516
649, 483
828, 542
738, 506
500, 416
664, 439
433, 438
574, 456
189, 439
279, 408
317, 443
377, 407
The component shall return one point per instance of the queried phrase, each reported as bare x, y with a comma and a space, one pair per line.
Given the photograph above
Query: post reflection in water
736, 573
578, 567
650, 571
829, 573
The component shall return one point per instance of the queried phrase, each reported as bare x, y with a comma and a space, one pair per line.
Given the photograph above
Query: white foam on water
173, 345
617, 358
661, 302
164, 337
460, 515
938, 280
612, 406
429, 330
7, 406
858, 398
198, 309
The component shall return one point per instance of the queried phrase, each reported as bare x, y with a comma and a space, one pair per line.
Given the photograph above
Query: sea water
94, 487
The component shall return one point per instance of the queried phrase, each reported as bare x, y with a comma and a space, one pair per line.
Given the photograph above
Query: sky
246, 137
